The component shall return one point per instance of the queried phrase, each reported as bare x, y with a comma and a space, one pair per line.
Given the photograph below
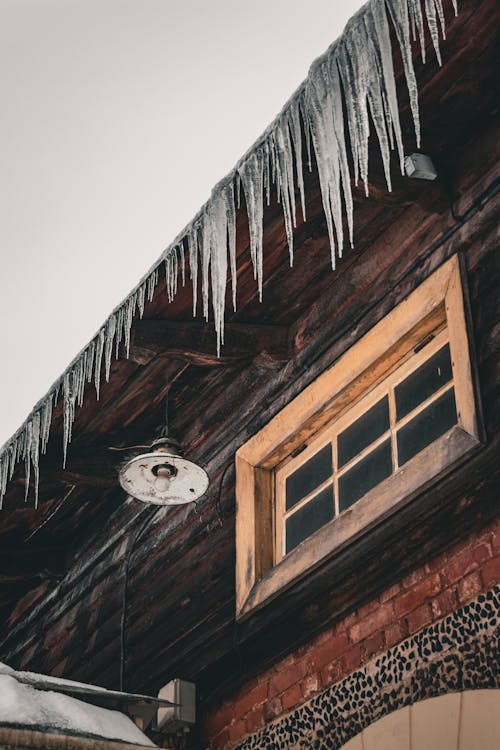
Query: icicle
285, 178
68, 411
399, 13
218, 260
231, 238
141, 299
45, 421
193, 263
378, 28
296, 132
325, 145
430, 12
183, 264
129, 319
151, 284
27, 458
206, 241
251, 173
119, 331
171, 271
32, 455
305, 119
417, 23
108, 345
81, 368
98, 361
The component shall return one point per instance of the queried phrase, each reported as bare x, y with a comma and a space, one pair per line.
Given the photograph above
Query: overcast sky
117, 117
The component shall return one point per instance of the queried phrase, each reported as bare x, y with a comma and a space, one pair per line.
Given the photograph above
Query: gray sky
117, 117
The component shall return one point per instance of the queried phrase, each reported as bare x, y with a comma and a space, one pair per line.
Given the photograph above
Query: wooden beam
89, 467
405, 192
196, 343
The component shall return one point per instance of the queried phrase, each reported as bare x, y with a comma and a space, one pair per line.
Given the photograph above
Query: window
391, 415
400, 417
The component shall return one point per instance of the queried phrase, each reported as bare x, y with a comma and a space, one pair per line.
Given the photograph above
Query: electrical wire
130, 548
123, 622
218, 504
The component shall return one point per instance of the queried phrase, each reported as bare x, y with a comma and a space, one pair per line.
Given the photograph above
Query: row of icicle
353, 81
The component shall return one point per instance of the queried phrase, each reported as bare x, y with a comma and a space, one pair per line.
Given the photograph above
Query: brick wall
427, 594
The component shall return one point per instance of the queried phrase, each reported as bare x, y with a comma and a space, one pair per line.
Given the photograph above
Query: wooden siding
61, 597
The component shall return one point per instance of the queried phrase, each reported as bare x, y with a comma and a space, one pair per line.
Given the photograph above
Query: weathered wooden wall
180, 615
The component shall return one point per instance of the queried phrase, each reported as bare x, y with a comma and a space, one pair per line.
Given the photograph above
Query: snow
22, 705
353, 79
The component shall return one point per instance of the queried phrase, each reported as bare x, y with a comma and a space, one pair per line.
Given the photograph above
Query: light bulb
162, 480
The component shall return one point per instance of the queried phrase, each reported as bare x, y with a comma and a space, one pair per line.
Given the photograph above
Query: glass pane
309, 476
311, 517
422, 383
371, 425
427, 426
371, 470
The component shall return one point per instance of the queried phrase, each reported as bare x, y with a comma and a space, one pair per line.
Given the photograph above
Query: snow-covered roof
22, 705
353, 81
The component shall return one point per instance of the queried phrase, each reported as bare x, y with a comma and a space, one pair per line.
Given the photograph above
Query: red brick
462, 545
347, 622
368, 608
414, 577
310, 685
491, 572
220, 741
351, 659
291, 697
390, 593
421, 593
495, 539
282, 679
329, 651
444, 603
255, 719
419, 618
461, 565
482, 551
331, 673
377, 620
436, 563
469, 586
221, 718
324, 636
253, 698
395, 633
373, 644
272, 708
237, 730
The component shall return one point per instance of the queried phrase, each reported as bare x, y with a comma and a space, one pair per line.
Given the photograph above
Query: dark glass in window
311, 517
427, 426
363, 431
422, 383
309, 476
368, 472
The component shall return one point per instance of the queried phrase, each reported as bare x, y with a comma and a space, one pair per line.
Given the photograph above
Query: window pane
371, 425
310, 518
309, 476
422, 383
371, 470
427, 426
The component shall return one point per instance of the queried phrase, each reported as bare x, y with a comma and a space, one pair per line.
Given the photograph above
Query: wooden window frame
438, 302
